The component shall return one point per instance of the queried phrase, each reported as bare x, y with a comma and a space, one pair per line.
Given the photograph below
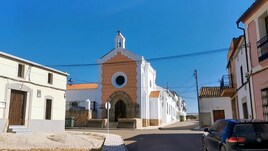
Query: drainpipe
248, 77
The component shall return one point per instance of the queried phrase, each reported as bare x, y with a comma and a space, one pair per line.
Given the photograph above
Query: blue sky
58, 32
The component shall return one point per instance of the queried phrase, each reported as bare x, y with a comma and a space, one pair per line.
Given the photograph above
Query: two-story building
32, 96
255, 19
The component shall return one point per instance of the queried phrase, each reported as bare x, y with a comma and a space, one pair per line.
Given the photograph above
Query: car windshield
251, 130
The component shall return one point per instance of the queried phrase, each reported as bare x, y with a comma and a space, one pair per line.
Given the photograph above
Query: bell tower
119, 41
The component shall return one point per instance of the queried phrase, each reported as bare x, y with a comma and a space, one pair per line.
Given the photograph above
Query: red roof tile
210, 92
82, 86
154, 94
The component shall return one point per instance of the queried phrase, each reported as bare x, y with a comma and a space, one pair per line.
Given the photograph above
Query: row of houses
243, 93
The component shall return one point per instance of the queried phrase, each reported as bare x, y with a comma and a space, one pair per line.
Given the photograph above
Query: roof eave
250, 11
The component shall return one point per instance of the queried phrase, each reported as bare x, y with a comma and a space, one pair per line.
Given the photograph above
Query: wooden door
17, 107
218, 114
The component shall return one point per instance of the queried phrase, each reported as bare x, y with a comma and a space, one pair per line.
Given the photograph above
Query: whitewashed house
166, 106
213, 106
32, 96
81, 96
243, 95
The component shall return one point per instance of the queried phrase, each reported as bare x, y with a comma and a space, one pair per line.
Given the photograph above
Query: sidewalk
113, 143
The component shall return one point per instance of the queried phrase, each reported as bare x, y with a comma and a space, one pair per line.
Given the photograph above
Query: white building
213, 106
84, 95
244, 105
31, 95
127, 81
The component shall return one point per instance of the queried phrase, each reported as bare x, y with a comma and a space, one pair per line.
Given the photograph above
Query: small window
50, 78
242, 75
21, 71
48, 109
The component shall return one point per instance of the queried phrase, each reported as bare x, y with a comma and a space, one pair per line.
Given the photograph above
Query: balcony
227, 86
262, 46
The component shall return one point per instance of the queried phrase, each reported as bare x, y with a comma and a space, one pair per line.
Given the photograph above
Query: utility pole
197, 96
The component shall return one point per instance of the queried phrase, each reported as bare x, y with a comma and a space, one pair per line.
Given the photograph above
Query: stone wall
81, 117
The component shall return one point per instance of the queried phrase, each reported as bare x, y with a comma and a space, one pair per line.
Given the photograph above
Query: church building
127, 82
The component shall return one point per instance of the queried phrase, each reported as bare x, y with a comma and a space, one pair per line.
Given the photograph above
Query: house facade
229, 82
213, 106
255, 20
242, 80
236, 84
31, 95
127, 82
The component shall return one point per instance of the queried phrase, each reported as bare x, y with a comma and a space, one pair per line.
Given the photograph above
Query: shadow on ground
180, 126
165, 142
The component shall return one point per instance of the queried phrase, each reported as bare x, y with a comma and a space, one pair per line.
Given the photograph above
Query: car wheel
223, 148
204, 146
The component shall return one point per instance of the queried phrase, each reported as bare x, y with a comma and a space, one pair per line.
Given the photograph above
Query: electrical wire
150, 60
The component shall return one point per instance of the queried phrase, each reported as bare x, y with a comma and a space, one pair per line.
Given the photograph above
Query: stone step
18, 129
113, 124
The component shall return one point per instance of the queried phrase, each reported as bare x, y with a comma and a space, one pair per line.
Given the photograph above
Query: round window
119, 79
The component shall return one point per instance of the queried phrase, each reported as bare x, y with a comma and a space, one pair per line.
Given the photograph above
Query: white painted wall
216, 103
155, 108
243, 90
81, 96
35, 78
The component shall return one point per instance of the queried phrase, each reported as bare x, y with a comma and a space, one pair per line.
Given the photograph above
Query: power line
151, 59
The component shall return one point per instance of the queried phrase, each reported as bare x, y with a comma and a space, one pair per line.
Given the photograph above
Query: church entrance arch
120, 110
121, 106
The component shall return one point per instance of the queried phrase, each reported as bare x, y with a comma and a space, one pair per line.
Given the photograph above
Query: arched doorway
121, 106
120, 110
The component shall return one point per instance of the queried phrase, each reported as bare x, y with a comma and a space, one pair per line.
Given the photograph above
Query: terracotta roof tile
154, 94
82, 86
210, 92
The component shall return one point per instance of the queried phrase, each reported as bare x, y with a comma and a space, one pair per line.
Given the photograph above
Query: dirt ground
66, 141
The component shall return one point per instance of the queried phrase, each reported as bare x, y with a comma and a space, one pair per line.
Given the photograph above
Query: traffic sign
108, 105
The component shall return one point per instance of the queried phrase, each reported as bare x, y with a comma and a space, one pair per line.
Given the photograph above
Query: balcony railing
262, 46
227, 81
227, 86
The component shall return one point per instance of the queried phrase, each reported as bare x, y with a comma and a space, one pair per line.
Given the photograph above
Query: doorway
218, 114
17, 107
120, 110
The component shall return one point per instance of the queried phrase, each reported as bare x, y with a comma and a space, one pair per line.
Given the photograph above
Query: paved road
169, 138
162, 140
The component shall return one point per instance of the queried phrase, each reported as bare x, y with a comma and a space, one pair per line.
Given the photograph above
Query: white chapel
127, 82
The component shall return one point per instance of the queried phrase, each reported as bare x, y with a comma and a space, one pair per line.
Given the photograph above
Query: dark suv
236, 135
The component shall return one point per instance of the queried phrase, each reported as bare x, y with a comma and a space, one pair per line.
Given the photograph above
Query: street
169, 138
159, 140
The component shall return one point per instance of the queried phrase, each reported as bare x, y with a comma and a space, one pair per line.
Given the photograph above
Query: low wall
81, 117
129, 123
96, 123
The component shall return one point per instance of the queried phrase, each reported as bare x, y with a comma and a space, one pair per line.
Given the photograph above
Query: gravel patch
65, 141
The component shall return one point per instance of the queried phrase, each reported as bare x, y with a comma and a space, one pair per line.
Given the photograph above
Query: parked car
236, 135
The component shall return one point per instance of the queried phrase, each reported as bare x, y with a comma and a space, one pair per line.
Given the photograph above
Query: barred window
264, 94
